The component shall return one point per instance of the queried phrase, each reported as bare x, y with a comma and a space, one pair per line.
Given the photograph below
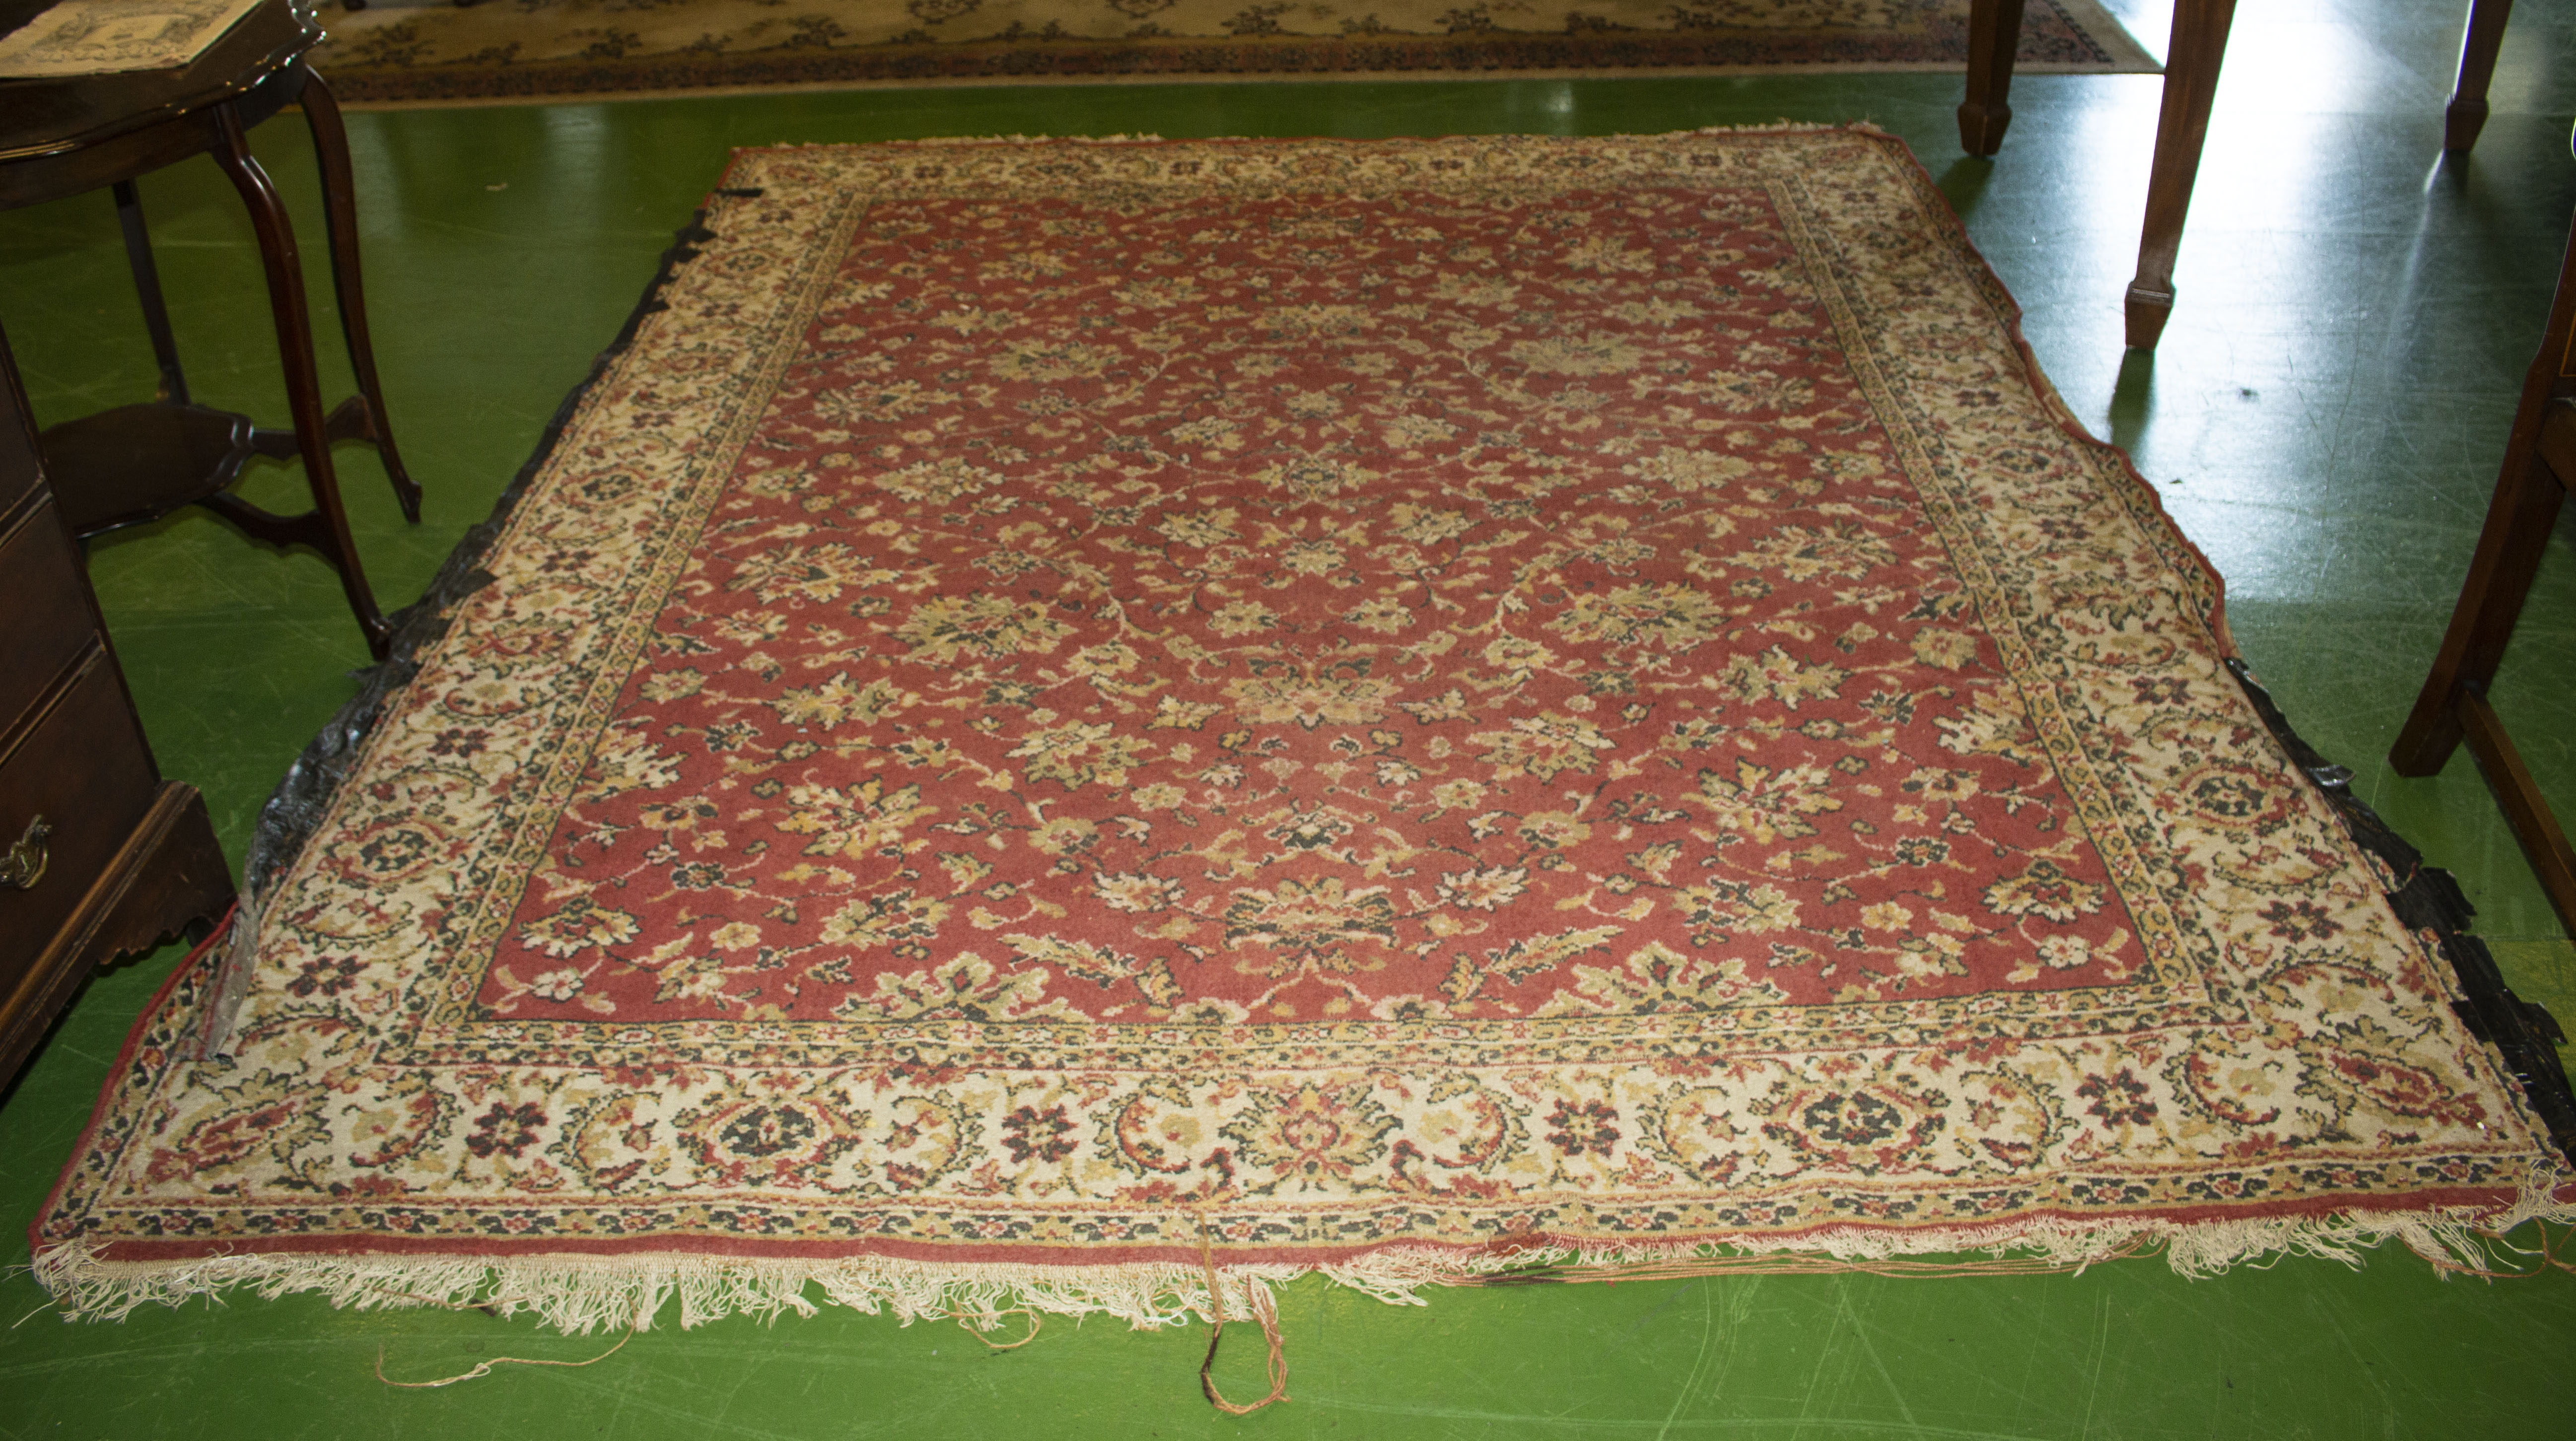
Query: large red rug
1401, 709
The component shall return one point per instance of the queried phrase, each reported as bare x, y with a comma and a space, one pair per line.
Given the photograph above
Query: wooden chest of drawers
98, 855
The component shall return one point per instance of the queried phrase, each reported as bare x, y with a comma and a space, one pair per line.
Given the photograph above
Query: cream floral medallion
1386, 706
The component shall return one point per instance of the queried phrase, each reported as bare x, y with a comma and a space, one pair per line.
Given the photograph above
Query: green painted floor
2324, 418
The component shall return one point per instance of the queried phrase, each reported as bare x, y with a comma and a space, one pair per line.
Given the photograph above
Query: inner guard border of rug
2425, 899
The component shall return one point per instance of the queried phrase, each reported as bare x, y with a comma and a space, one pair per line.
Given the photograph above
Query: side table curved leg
326, 528
339, 194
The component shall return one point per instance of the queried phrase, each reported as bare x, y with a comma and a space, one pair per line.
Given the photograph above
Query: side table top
56, 115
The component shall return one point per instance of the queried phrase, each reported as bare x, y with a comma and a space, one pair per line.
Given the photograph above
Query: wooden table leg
2468, 113
1994, 30
2191, 83
327, 528
147, 289
339, 194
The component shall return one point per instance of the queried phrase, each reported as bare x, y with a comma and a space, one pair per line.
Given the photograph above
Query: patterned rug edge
613, 1289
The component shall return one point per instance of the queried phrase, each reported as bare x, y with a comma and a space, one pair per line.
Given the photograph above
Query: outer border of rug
1494, 55
583, 1286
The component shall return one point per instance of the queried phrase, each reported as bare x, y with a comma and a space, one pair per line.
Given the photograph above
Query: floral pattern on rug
395, 50
1069, 701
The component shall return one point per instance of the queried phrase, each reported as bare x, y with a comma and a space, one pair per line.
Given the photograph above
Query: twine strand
1263, 1310
965, 1322
484, 1368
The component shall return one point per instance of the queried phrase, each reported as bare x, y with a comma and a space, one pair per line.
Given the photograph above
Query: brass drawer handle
25, 863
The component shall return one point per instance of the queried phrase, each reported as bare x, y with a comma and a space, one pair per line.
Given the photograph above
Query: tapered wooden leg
1994, 30
2468, 113
147, 289
339, 196
2191, 83
295, 355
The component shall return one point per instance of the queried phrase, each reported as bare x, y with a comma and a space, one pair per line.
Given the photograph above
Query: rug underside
1403, 710
397, 52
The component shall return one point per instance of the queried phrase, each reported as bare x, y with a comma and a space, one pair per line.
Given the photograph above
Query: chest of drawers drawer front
18, 471
84, 771
45, 620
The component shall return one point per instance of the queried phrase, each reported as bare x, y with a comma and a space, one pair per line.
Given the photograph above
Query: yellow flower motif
1429, 527
1728, 907
1667, 612
1458, 795
1545, 746
1768, 805
1316, 477
1208, 527
1887, 916
1688, 472
1596, 354
1483, 889
944, 629
1948, 649
810, 572
1803, 554
1384, 616
861, 820
1309, 701
1553, 829
835, 701
1315, 922
1172, 713
1110, 659
1064, 835
939, 481
580, 925
899, 919
1242, 617
1517, 654
1777, 675
1077, 755
1041, 361
2044, 891
1313, 557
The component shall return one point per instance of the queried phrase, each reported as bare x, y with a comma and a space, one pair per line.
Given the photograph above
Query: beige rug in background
435, 50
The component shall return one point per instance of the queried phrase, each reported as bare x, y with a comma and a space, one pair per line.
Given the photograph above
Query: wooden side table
137, 463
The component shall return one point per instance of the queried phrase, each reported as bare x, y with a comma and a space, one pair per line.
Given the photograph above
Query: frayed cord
1264, 1310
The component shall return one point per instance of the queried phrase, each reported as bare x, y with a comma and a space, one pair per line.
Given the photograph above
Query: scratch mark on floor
2093, 1364
1843, 1311
1707, 1338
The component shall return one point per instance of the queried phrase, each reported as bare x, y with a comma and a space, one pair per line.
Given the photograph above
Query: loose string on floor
1264, 1310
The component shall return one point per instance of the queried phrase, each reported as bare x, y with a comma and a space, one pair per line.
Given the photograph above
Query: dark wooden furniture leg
2539, 463
326, 529
147, 289
2468, 113
1994, 30
339, 194
2191, 83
